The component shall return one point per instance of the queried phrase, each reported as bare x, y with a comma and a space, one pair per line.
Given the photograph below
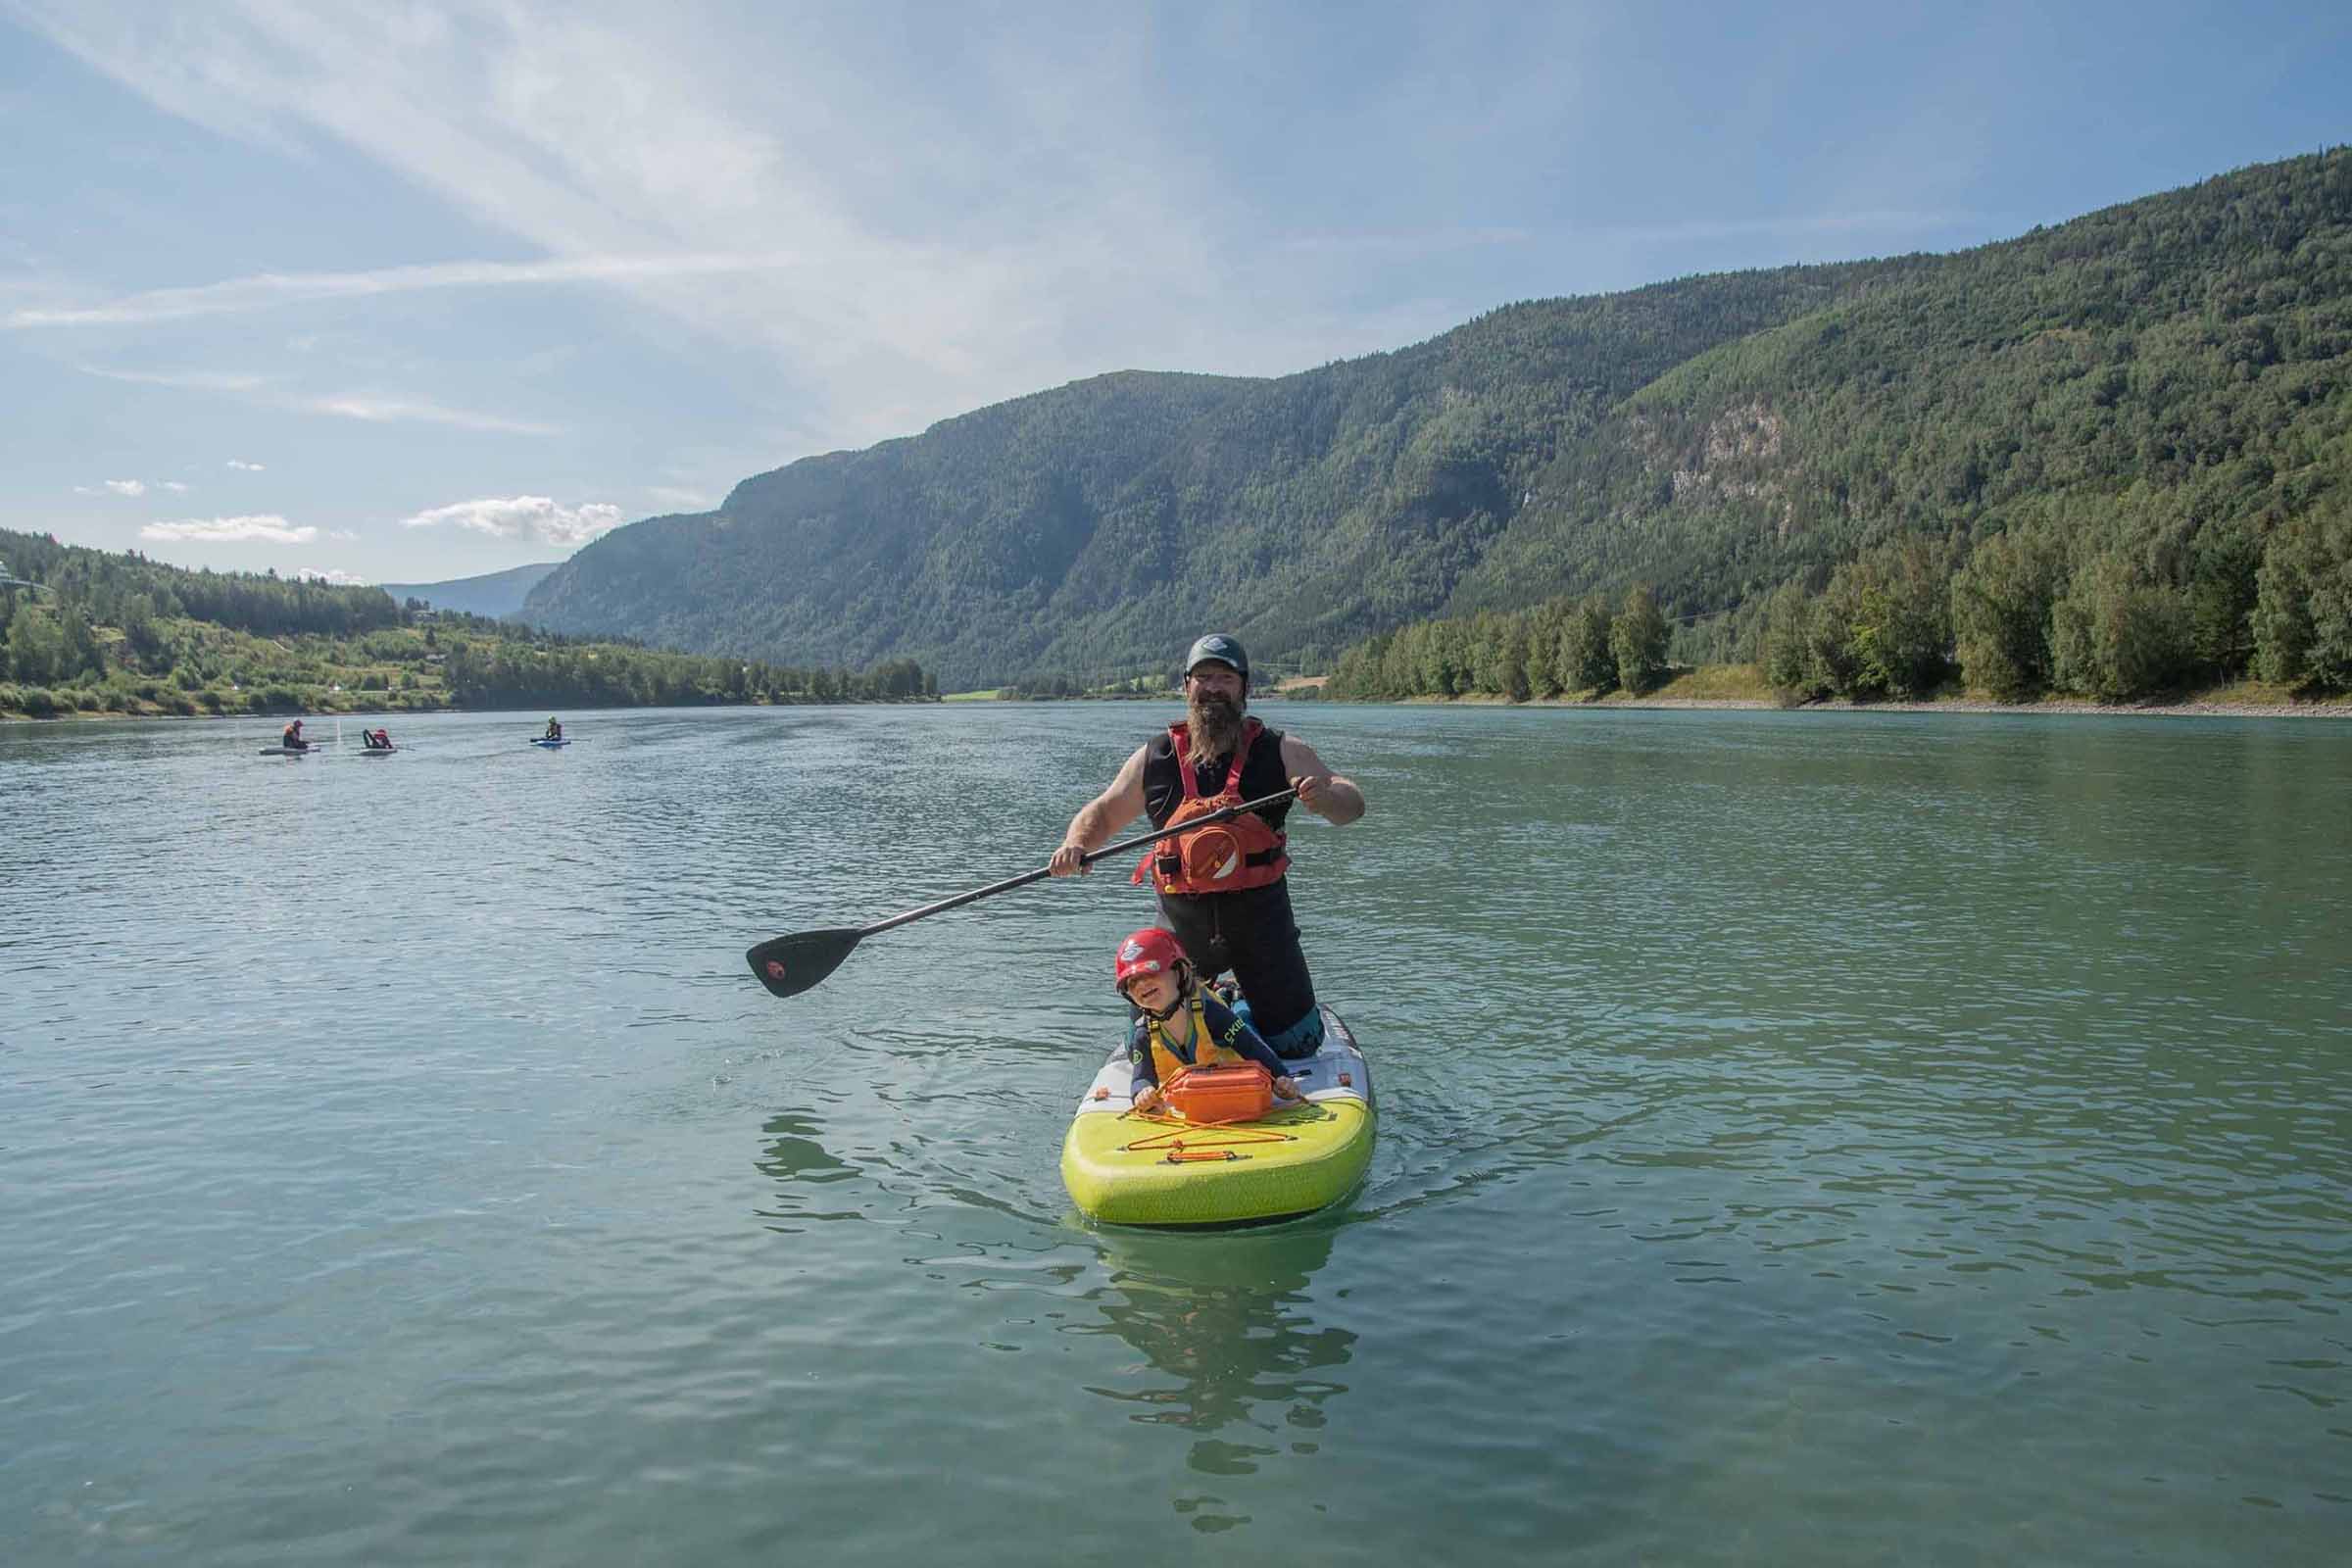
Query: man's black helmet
1221, 648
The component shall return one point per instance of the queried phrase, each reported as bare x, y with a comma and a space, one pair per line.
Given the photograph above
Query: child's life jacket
1207, 1066
1226, 856
1218, 1084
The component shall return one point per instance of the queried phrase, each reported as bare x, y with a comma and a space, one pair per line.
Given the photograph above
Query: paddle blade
790, 965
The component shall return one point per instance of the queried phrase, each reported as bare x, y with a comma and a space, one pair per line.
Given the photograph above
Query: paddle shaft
1088, 858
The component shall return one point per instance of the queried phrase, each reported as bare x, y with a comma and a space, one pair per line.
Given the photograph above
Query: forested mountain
493, 593
2161, 386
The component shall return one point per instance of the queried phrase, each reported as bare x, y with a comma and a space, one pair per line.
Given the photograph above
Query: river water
1835, 1137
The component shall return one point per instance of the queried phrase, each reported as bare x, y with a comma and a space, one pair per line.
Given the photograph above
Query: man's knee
1301, 1040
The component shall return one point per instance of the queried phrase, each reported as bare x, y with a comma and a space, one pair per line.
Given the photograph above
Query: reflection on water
1232, 1350
794, 1156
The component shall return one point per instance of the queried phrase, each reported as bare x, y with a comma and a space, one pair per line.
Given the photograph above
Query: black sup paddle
790, 965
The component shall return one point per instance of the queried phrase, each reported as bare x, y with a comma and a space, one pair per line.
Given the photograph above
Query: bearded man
1225, 898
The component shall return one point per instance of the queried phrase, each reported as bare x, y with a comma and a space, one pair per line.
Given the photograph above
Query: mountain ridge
1716, 436
493, 593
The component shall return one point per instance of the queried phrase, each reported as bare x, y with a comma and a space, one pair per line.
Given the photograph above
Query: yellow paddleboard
1125, 1168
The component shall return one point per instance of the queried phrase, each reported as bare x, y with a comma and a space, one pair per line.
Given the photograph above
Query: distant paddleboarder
291, 738
555, 730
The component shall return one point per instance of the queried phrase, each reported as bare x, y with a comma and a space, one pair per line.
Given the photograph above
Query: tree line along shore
2122, 616
96, 633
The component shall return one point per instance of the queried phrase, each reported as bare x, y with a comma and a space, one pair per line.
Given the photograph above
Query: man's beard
1213, 727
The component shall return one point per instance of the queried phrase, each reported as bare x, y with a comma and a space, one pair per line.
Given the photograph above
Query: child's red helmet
1151, 951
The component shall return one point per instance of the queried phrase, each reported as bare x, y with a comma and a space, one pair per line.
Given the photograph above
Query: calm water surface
1847, 1138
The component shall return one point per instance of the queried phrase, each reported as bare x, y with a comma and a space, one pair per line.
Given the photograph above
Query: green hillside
2168, 377
106, 634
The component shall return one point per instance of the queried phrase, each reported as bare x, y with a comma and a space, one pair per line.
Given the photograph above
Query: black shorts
1253, 934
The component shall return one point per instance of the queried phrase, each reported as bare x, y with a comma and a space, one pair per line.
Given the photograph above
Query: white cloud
176, 486
341, 580
242, 466
536, 517
265, 289
671, 495
260, 528
126, 487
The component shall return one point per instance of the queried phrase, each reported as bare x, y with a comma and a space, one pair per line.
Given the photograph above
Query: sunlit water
1836, 1139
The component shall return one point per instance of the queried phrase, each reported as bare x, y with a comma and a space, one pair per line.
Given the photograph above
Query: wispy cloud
242, 466
671, 495
118, 487
184, 381
892, 276
536, 517
265, 290
369, 406
174, 486
396, 411
902, 239
330, 574
258, 528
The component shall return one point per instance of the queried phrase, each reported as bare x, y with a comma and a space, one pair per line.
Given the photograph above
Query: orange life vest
1166, 1065
1227, 858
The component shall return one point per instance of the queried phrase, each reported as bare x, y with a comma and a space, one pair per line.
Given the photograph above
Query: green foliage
2116, 636
1883, 628
36, 647
1587, 659
1638, 643
2223, 591
1833, 661
2303, 613
1788, 656
2001, 614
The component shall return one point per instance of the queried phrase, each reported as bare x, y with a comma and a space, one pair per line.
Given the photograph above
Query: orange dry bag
1207, 1096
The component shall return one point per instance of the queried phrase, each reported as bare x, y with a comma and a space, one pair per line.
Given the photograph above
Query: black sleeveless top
1261, 775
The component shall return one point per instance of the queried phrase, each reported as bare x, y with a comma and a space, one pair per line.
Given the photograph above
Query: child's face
1152, 992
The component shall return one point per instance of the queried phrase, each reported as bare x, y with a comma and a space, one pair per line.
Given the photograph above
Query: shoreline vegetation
1742, 687
89, 633
1737, 687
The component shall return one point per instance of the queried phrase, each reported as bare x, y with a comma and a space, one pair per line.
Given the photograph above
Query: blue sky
402, 292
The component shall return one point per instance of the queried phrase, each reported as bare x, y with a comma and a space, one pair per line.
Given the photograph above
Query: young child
1179, 1025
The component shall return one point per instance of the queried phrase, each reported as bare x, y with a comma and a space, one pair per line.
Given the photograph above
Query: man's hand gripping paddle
790, 965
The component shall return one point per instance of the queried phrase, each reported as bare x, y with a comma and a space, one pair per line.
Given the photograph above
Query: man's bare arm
1329, 796
1099, 818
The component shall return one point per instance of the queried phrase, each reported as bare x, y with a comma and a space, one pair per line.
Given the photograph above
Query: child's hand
1287, 1087
1149, 1098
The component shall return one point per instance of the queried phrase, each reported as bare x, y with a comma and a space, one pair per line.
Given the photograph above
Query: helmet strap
1184, 989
